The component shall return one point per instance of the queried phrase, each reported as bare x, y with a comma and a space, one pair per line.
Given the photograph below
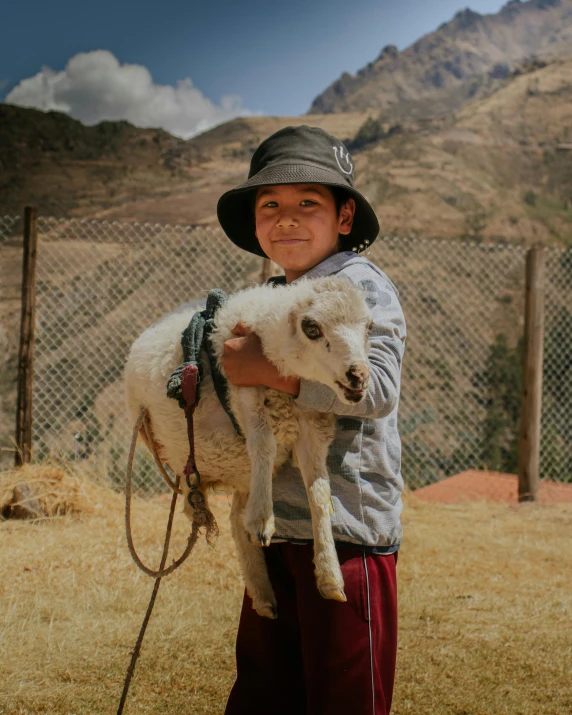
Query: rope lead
202, 517
197, 522
183, 386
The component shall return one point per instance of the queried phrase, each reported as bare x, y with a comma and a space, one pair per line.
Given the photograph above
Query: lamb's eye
369, 327
311, 329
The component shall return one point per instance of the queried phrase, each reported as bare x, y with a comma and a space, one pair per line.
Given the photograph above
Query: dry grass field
485, 610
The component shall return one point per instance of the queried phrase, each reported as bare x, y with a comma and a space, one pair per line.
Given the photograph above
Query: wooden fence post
268, 269
531, 406
27, 327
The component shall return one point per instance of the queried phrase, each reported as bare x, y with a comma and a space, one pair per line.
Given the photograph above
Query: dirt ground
478, 485
484, 593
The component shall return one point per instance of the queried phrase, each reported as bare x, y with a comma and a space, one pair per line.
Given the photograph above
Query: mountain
455, 137
498, 168
440, 65
118, 171
65, 168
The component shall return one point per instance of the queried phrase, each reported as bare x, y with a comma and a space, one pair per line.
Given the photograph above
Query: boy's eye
274, 204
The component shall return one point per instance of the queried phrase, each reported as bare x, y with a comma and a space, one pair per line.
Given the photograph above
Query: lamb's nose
357, 376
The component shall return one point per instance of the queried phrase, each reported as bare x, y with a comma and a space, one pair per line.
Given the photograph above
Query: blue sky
251, 56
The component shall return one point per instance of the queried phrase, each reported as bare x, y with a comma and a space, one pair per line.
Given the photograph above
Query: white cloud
94, 86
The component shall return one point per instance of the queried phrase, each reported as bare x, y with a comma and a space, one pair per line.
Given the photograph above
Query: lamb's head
331, 333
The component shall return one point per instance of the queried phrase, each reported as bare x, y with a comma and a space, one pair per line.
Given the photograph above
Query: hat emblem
343, 156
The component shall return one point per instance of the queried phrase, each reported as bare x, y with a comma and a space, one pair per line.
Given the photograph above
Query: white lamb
315, 329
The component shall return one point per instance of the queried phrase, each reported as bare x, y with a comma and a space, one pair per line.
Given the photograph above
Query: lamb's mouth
351, 393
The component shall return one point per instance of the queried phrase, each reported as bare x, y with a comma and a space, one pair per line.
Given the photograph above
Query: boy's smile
297, 225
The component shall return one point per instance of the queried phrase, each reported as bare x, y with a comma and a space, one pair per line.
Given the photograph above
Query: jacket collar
334, 264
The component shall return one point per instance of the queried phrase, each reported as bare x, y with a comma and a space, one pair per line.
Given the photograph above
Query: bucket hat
296, 155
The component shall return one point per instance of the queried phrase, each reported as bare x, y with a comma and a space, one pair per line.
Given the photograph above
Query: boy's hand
246, 365
243, 359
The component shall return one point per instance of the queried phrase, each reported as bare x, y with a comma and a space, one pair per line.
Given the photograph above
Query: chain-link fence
100, 284
462, 374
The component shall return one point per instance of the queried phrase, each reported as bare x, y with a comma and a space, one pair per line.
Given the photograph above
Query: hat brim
235, 207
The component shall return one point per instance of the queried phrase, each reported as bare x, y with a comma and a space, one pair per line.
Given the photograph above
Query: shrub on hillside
372, 131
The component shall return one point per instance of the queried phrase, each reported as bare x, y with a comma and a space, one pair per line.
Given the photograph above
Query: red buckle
189, 380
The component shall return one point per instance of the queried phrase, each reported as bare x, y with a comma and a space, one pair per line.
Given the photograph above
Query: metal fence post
26, 350
531, 406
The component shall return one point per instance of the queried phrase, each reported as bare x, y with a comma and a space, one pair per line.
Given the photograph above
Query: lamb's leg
261, 446
252, 563
311, 452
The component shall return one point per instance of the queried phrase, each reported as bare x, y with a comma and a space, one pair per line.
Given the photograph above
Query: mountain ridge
466, 47
487, 158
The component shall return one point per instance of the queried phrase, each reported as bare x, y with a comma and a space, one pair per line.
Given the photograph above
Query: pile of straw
39, 491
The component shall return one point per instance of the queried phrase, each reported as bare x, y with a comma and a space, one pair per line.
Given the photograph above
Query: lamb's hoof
260, 530
266, 610
332, 592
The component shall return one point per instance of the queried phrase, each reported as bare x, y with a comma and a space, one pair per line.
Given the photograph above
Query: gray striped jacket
364, 461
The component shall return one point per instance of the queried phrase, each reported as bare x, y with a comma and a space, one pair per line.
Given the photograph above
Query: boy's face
297, 225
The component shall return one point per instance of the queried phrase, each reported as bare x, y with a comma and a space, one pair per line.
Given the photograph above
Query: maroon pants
319, 657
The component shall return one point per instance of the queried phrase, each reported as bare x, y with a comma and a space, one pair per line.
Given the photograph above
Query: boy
319, 657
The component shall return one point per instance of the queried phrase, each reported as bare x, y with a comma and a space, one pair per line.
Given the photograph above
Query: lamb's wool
154, 356
277, 316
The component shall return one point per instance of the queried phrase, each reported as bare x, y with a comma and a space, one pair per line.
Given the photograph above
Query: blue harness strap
196, 336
